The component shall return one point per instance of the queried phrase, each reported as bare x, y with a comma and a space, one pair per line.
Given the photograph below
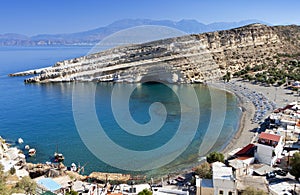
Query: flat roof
264, 169
236, 163
283, 187
221, 171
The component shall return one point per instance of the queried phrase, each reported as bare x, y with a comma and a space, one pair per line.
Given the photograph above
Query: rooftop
221, 171
257, 182
237, 164
268, 136
246, 150
284, 186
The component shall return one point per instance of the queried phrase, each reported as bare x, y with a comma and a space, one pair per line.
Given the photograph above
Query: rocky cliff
191, 58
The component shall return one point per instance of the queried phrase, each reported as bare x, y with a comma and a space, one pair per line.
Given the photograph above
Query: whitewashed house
269, 148
222, 182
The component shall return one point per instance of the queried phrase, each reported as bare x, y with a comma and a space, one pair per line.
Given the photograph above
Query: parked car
270, 175
281, 172
173, 182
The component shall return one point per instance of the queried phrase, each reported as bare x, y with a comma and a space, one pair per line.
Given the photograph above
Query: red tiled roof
244, 157
245, 150
268, 136
287, 107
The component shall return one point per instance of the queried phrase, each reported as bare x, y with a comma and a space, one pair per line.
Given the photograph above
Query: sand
266, 99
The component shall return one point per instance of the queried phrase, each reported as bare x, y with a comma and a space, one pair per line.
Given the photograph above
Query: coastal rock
110, 176
186, 59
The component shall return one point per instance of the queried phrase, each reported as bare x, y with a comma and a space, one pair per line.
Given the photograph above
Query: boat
20, 141
27, 147
31, 152
58, 157
73, 167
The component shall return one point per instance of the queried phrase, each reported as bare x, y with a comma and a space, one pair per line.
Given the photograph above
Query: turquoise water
42, 113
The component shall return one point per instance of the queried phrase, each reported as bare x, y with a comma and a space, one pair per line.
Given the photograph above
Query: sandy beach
257, 102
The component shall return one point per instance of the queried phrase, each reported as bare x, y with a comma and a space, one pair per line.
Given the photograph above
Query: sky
31, 17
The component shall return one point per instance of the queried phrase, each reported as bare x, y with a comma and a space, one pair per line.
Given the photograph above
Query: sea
43, 115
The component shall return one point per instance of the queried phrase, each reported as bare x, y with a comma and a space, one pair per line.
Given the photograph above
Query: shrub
204, 171
214, 157
12, 170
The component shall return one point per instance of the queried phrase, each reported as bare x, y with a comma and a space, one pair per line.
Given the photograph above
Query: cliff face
191, 58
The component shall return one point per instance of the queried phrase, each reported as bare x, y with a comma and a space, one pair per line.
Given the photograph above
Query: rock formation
187, 59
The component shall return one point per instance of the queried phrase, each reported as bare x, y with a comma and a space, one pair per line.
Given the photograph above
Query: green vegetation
227, 77
274, 74
27, 185
295, 163
145, 192
288, 55
252, 191
72, 193
214, 157
4, 190
204, 171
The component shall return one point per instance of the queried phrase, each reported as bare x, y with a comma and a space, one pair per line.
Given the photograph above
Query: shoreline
270, 98
243, 135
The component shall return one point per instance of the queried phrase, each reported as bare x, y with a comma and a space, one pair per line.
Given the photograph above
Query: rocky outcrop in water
187, 59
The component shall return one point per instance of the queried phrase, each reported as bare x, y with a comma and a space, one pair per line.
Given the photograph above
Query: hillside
187, 59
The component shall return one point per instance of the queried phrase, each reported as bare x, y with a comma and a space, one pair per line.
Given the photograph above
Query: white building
133, 189
165, 191
222, 183
269, 148
223, 180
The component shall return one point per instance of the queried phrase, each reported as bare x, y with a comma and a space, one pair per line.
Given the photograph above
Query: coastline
271, 96
243, 135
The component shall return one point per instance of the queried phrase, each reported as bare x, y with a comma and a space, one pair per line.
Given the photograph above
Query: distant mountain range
92, 37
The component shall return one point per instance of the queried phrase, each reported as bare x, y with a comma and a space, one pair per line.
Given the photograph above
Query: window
221, 192
230, 193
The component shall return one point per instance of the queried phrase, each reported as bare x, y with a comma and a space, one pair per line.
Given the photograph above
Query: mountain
92, 37
185, 59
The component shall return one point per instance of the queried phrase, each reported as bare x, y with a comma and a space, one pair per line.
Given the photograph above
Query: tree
27, 185
227, 77
252, 191
248, 68
72, 192
214, 157
295, 163
145, 192
204, 171
271, 81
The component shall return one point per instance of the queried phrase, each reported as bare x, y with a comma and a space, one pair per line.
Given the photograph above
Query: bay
42, 114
